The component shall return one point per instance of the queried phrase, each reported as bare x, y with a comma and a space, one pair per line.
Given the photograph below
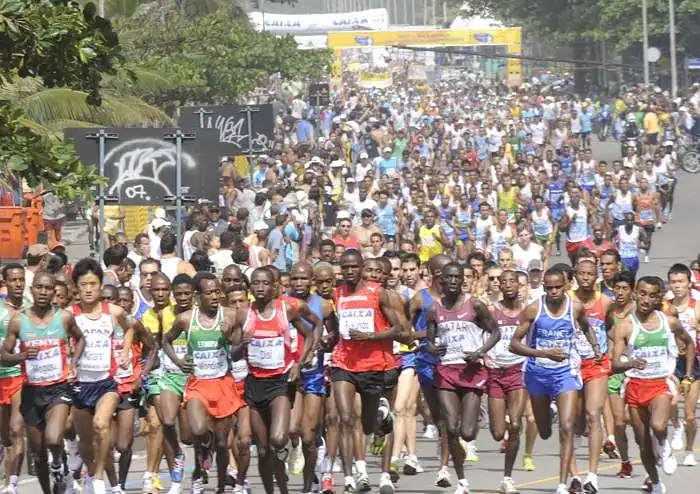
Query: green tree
63, 46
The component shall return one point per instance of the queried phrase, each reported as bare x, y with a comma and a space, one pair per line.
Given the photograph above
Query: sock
14, 480
361, 466
611, 438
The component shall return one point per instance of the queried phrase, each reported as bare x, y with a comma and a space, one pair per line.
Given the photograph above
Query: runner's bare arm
297, 315
488, 324
394, 316
586, 328
148, 344
7, 355
330, 321
238, 337
182, 322
621, 333
123, 321
415, 306
431, 331
78, 339
526, 319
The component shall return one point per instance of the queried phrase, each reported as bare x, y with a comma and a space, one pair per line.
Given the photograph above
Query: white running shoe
562, 489
669, 464
98, 486
175, 488
11, 489
677, 442
411, 465
337, 466
508, 486
74, 459
472, 452
689, 460
443, 478
658, 488
386, 486
431, 432
197, 486
462, 487
88, 483
147, 484
296, 460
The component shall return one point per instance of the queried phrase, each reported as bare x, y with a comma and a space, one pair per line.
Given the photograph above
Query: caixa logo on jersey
484, 38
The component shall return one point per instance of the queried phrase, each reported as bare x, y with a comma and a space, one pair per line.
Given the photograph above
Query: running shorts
425, 368
631, 263
217, 395
591, 370
543, 239
9, 387
370, 382
639, 393
462, 377
408, 360
260, 391
174, 382
541, 381
38, 400
87, 394
573, 247
152, 386
653, 139
504, 380
129, 401
239, 387
615, 384
313, 380
680, 368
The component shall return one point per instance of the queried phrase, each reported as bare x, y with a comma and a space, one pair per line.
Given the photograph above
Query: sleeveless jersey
481, 228
508, 200
270, 351
51, 363
5, 316
645, 210
596, 318
150, 322
541, 224
133, 371
657, 347
457, 331
142, 306
688, 320
429, 245
207, 348
578, 228
314, 303
628, 243
500, 355
97, 361
550, 332
500, 239
360, 310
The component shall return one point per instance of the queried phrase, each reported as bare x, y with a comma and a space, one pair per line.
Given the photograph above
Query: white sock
361, 466
14, 480
611, 438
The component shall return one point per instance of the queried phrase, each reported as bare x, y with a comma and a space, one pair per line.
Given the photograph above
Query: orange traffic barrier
13, 232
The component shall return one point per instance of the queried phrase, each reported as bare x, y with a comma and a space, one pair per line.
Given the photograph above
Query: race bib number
239, 370
121, 372
356, 319
266, 353
543, 344
46, 367
180, 352
454, 341
210, 364
97, 356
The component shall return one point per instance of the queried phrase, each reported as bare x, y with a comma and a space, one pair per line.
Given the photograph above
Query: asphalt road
676, 242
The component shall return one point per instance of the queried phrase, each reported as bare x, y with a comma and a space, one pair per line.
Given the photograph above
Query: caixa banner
373, 19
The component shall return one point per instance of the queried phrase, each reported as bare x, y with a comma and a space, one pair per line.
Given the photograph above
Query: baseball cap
38, 250
535, 265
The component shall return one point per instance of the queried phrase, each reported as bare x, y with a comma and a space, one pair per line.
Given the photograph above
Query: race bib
121, 372
454, 341
169, 365
97, 355
239, 370
210, 364
266, 353
46, 367
355, 319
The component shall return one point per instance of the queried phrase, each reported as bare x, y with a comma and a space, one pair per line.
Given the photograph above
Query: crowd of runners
395, 261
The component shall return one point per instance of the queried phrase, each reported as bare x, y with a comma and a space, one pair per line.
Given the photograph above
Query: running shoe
327, 485
689, 460
528, 464
74, 459
575, 487
197, 486
98, 486
590, 486
658, 488
431, 432
677, 442
386, 486
393, 472
178, 472
610, 450
508, 486
337, 466
443, 478
668, 462
462, 487
377, 445
59, 480
472, 451
296, 460
363, 482
239, 489
411, 465
157, 486
562, 489
647, 485
625, 470
87, 485
385, 418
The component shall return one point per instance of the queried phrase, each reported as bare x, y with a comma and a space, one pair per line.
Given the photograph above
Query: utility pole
645, 42
672, 47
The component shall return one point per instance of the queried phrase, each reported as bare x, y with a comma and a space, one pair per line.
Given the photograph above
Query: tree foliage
63, 46
212, 57
619, 22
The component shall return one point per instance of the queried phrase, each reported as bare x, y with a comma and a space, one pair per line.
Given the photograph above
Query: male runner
594, 372
679, 277
552, 369
210, 395
39, 339
648, 337
456, 326
95, 397
619, 310
506, 390
363, 360
11, 380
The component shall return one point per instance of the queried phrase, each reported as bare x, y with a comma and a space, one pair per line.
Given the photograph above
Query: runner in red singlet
363, 360
461, 330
